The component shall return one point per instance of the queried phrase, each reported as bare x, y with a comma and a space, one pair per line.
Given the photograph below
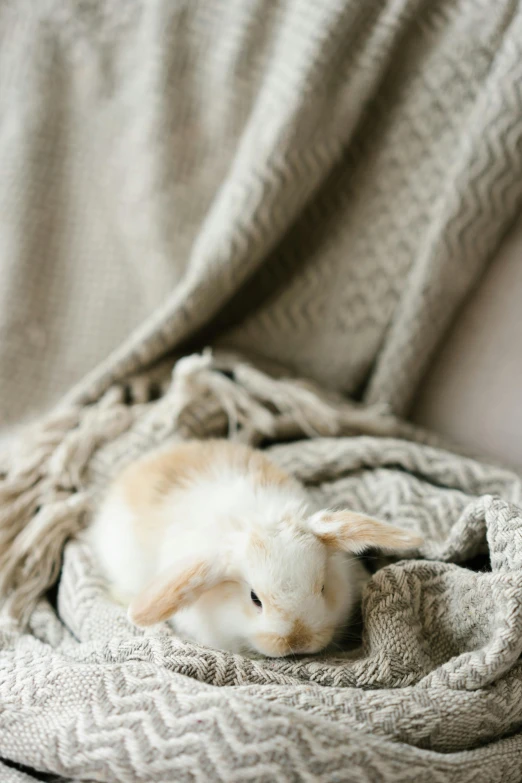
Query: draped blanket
311, 188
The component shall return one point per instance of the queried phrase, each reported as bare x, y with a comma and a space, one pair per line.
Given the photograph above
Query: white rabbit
215, 536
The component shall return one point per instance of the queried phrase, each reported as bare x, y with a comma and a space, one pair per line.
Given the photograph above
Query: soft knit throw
320, 184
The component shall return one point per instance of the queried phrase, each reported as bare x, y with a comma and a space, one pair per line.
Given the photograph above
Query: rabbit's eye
322, 589
255, 599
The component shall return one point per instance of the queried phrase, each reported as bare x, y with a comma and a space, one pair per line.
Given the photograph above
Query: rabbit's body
216, 537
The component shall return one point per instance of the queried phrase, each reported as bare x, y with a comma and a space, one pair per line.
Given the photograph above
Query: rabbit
214, 537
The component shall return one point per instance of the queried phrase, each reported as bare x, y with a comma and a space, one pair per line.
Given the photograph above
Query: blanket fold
311, 189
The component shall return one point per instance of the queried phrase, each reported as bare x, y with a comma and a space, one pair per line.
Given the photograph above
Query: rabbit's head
284, 588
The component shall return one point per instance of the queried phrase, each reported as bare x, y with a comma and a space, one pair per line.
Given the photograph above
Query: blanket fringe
43, 497
44, 491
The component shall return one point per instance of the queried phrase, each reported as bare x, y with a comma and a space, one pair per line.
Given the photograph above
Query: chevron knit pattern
319, 185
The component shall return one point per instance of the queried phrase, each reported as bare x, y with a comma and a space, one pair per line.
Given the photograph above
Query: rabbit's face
287, 594
287, 589
296, 592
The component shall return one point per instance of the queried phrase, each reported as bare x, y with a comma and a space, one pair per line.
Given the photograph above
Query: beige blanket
315, 185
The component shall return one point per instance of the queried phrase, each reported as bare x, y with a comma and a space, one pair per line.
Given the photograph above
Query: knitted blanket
331, 178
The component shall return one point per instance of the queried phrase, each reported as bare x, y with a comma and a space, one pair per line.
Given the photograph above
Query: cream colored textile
344, 168
314, 184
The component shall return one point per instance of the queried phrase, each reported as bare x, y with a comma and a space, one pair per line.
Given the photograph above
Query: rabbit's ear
355, 533
177, 588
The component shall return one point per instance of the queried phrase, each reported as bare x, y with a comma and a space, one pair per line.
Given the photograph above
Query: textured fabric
336, 172
434, 692
320, 184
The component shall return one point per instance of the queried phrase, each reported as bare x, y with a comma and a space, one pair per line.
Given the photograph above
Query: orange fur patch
163, 598
355, 532
146, 482
329, 539
274, 644
149, 479
265, 473
270, 602
299, 637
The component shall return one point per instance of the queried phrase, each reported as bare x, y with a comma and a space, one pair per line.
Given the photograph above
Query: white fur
216, 519
114, 542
